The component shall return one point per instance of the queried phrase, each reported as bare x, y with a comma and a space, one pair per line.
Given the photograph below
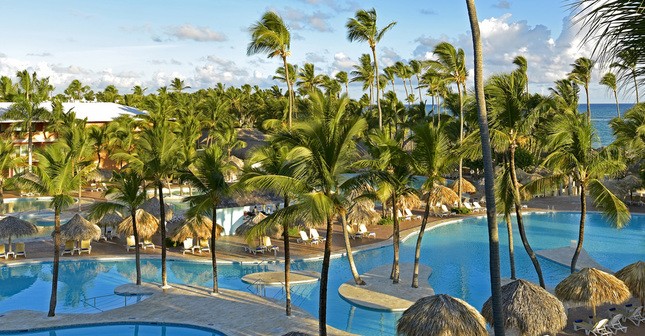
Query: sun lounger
305, 239
400, 215
188, 246
204, 246
266, 241
20, 250
409, 214
315, 236
362, 229
86, 247
469, 206
130, 243
614, 324
70, 247
353, 234
3, 252
478, 207
445, 211
598, 329
109, 233
636, 316
252, 248
148, 243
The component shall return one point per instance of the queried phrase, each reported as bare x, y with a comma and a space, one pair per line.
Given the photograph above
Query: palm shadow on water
15, 280
77, 277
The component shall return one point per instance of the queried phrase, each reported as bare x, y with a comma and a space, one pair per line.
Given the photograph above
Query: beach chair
69, 248
305, 239
353, 234
635, 315
204, 246
109, 233
252, 248
315, 236
409, 214
130, 243
147, 243
478, 208
445, 211
3, 251
614, 324
362, 229
266, 242
400, 215
598, 329
469, 206
20, 250
188, 246
86, 246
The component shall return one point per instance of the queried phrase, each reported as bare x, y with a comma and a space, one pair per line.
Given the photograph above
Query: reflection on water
75, 278
149, 272
124, 329
14, 281
23, 204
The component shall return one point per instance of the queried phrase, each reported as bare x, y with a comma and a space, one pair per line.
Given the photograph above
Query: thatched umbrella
79, 228
363, 212
592, 287
14, 226
633, 275
110, 219
442, 194
466, 186
253, 221
147, 224
152, 207
441, 315
520, 302
181, 228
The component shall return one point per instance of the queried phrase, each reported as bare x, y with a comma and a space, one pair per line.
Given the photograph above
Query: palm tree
362, 28
493, 236
270, 35
364, 72
8, 161
7, 89
629, 130
522, 67
452, 63
432, 159
342, 78
307, 78
626, 65
207, 174
404, 72
99, 137
417, 69
609, 80
55, 176
581, 74
125, 195
76, 90
177, 85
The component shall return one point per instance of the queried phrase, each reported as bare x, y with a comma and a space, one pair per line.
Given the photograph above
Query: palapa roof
152, 207
592, 287
363, 212
110, 219
466, 186
633, 275
441, 315
274, 231
442, 194
79, 228
11, 226
520, 302
147, 224
180, 228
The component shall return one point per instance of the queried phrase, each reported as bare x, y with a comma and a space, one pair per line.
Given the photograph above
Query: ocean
601, 115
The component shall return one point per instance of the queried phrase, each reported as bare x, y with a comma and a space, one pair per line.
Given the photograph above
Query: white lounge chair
353, 234
3, 252
69, 248
315, 236
598, 329
305, 239
636, 316
204, 246
188, 246
130, 243
409, 214
400, 215
252, 248
445, 211
20, 250
469, 206
614, 324
362, 229
266, 241
86, 246
478, 207
147, 243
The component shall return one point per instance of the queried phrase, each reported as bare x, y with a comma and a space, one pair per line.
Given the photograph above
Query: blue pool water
123, 329
457, 253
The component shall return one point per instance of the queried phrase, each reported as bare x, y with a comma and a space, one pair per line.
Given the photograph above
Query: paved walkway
277, 278
563, 257
227, 312
381, 294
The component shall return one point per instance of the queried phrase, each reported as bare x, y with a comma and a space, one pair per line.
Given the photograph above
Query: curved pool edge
99, 324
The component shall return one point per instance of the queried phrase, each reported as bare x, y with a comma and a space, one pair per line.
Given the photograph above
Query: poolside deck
563, 255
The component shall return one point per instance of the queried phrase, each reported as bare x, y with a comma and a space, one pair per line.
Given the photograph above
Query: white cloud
200, 34
296, 19
342, 62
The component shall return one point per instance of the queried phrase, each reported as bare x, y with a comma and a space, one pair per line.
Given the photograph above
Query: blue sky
148, 43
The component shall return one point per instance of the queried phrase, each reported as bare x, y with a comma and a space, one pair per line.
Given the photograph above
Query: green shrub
385, 221
461, 211
294, 232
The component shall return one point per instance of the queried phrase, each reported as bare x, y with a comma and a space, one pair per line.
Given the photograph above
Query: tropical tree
8, 161
124, 195
178, 85
417, 69
581, 74
270, 35
7, 89
99, 137
609, 80
207, 174
362, 28
307, 78
493, 236
522, 67
76, 90
630, 132
626, 65
342, 78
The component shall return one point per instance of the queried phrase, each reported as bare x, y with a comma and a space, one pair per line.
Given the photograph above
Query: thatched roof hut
79, 228
152, 207
633, 275
441, 315
466, 186
442, 194
180, 228
520, 302
592, 287
147, 224
363, 212
273, 232
11, 226
110, 219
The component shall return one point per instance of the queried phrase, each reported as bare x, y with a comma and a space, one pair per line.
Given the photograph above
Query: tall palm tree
99, 136
362, 28
7, 89
270, 35
8, 161
342, 78
417, 69
630, 130
626, 65
55, 176
124, 195
307, 78
404, 72
493, 236
364, 72
207, 174
581, 74
452, 63
178, 86
522, 67
609, 80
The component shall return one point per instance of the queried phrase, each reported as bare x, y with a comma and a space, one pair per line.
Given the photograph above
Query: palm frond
611, 206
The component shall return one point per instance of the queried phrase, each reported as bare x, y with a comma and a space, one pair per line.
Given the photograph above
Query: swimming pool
457, 253
122, 329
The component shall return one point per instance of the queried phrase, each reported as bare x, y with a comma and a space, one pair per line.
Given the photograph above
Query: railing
102, 303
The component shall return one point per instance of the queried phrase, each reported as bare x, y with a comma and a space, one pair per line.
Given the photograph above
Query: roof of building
94, 112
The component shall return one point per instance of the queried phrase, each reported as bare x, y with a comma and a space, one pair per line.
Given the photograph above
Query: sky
203, 42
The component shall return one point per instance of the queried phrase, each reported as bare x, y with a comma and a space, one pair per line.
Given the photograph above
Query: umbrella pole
9, 244
593, 309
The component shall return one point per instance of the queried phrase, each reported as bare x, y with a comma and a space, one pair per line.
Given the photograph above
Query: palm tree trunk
137, 251
30, 146
511, 248
405, 86
581, 233
417, 250
419, 87
520, 221
56, 265
489, 174
79, 196
617, 105
287, 261
348, 248
635, 84
588, 102
378, 89
213, 250
395, 241
324, 276
286, 78
162, 228
461, 140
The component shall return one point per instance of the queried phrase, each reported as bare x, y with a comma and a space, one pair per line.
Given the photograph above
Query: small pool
11, 205
122, 329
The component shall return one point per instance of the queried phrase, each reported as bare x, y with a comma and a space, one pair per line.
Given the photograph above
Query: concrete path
563, 256
277, 278
227, 312
381, 294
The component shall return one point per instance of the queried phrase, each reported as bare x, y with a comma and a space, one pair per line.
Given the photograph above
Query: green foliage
385, 221
523, 158
461, 211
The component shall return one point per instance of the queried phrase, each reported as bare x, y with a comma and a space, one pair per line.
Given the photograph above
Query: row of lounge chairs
265, 246
362, 232
189, 246
408, 214
612, 325
18, 251
71, 247
313, 238
131, 244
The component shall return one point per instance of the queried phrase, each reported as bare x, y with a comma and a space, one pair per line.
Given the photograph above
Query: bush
294, 232
385, 221
461, 211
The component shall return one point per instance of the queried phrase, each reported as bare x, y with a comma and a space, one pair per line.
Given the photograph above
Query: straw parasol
363, 212
441, 315
466, 186
181, 228
152, 207
442, 194
79, 228
14, 226
273, 232
147, 224
110, 219
592, 287
520, 302
633, 275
